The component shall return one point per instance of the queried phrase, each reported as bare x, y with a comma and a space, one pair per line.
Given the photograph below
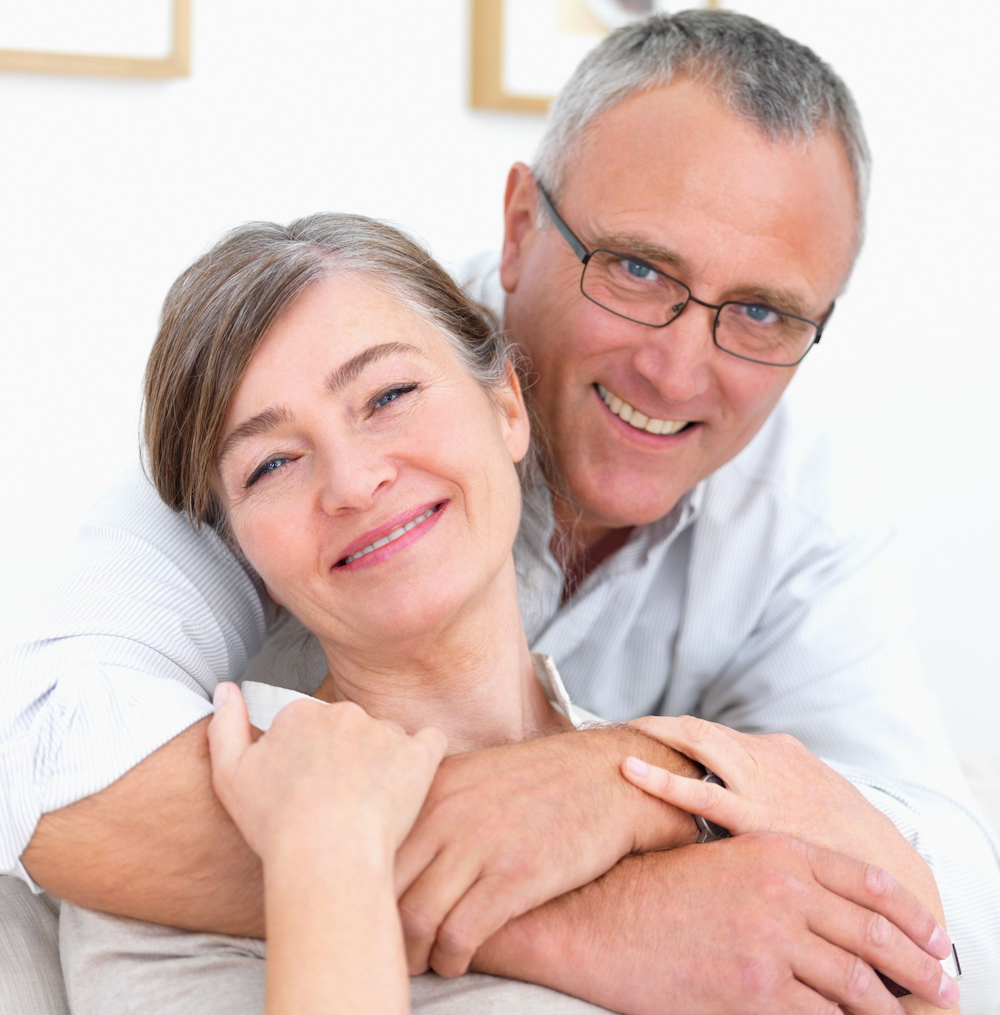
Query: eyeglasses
629, 286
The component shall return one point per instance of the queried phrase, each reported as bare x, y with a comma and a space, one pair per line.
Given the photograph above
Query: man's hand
754, 925
775, 784
506, 829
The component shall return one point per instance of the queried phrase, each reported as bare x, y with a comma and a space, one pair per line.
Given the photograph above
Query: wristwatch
709, 831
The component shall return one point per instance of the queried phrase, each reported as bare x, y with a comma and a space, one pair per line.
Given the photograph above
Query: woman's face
355, 424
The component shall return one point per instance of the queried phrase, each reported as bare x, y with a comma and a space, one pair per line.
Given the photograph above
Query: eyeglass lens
633, 289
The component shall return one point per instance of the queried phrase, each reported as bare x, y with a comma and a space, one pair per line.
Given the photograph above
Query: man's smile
639, 420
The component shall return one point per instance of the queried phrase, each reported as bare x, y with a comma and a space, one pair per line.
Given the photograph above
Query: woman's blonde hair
219, 310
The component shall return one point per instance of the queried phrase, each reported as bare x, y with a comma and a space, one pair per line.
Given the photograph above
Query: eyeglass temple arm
826, 321
568, 235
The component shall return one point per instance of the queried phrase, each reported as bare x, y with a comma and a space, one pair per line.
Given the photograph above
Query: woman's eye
265, 468
381, 401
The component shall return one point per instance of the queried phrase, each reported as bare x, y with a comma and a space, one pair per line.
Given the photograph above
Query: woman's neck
473, 679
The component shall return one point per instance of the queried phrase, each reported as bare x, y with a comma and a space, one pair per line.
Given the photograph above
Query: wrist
311, 849
655, 825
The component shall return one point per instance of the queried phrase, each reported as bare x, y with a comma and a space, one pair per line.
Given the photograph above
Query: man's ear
514, 421
520, 215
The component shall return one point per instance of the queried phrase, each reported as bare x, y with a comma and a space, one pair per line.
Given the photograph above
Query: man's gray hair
758, 74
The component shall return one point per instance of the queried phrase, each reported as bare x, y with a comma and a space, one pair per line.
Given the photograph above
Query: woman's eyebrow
347, 372
269, 419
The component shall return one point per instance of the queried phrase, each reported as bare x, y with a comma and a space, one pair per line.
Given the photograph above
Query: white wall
108, 188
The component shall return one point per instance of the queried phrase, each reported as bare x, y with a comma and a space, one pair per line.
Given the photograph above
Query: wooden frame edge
177, 65
486, 64
486, 89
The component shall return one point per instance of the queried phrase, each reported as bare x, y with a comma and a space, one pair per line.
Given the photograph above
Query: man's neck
473, 679
580, 545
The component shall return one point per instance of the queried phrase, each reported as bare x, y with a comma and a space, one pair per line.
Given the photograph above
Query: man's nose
677, 359
350, 477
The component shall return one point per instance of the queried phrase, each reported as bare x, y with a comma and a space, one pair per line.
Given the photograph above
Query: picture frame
176, 63
491, 30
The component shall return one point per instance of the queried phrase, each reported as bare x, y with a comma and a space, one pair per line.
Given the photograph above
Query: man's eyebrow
265, 421
347, 372
622, 243
780, 299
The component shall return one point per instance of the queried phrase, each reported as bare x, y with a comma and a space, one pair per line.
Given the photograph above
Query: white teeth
395, 534
639, 420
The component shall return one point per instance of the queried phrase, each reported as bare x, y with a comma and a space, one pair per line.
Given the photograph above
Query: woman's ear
514, 421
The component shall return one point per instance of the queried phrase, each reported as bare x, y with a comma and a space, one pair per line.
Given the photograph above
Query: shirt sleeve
830, 661
119, 658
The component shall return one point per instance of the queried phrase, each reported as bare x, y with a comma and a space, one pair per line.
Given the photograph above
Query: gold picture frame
486, 78
177, 64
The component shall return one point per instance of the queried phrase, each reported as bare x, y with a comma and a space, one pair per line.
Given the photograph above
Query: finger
228, 734
886, 926
703, 741
859, 932
486, 907
692, 795
844, 978
427, 902
873, 888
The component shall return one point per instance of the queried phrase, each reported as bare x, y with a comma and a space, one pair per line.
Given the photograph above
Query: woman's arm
324, 798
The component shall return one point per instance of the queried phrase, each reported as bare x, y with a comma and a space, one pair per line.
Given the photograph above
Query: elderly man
701, 176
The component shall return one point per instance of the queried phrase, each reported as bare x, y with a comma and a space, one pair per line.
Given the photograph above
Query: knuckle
418, 925
877, 931
877, 881
857, 980
698, 730
927, 978
456, 939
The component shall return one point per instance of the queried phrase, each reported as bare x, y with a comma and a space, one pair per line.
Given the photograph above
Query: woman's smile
391, 538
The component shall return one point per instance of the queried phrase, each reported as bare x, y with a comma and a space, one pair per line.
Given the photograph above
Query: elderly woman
325, 397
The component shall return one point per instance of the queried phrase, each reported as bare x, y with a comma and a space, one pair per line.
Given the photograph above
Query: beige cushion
30, 975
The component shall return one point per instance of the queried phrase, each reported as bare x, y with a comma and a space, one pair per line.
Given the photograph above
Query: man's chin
624, 502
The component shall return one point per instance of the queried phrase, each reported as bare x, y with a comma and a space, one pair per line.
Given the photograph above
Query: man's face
741, 217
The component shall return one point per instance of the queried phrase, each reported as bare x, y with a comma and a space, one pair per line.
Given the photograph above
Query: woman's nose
350, 477
676, 359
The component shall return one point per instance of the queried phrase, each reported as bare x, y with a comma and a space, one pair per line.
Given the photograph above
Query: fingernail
949, 990
637, 767
940, 944
220, 695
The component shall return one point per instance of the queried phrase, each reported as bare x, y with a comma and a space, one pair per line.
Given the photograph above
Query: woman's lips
395, 535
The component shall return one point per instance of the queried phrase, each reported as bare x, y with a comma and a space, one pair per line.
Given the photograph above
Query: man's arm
157, 845
119, 658
751, 924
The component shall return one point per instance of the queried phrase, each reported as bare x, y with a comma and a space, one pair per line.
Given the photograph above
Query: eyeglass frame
584, 255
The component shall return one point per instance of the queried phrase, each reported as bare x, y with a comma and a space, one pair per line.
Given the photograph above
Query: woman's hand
325, 797
774, 784
321, 771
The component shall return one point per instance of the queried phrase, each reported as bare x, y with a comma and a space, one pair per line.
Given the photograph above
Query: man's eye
639, 270
760, 314
265, 468
381, 401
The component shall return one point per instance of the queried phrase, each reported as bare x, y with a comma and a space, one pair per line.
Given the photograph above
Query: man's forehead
673, 173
